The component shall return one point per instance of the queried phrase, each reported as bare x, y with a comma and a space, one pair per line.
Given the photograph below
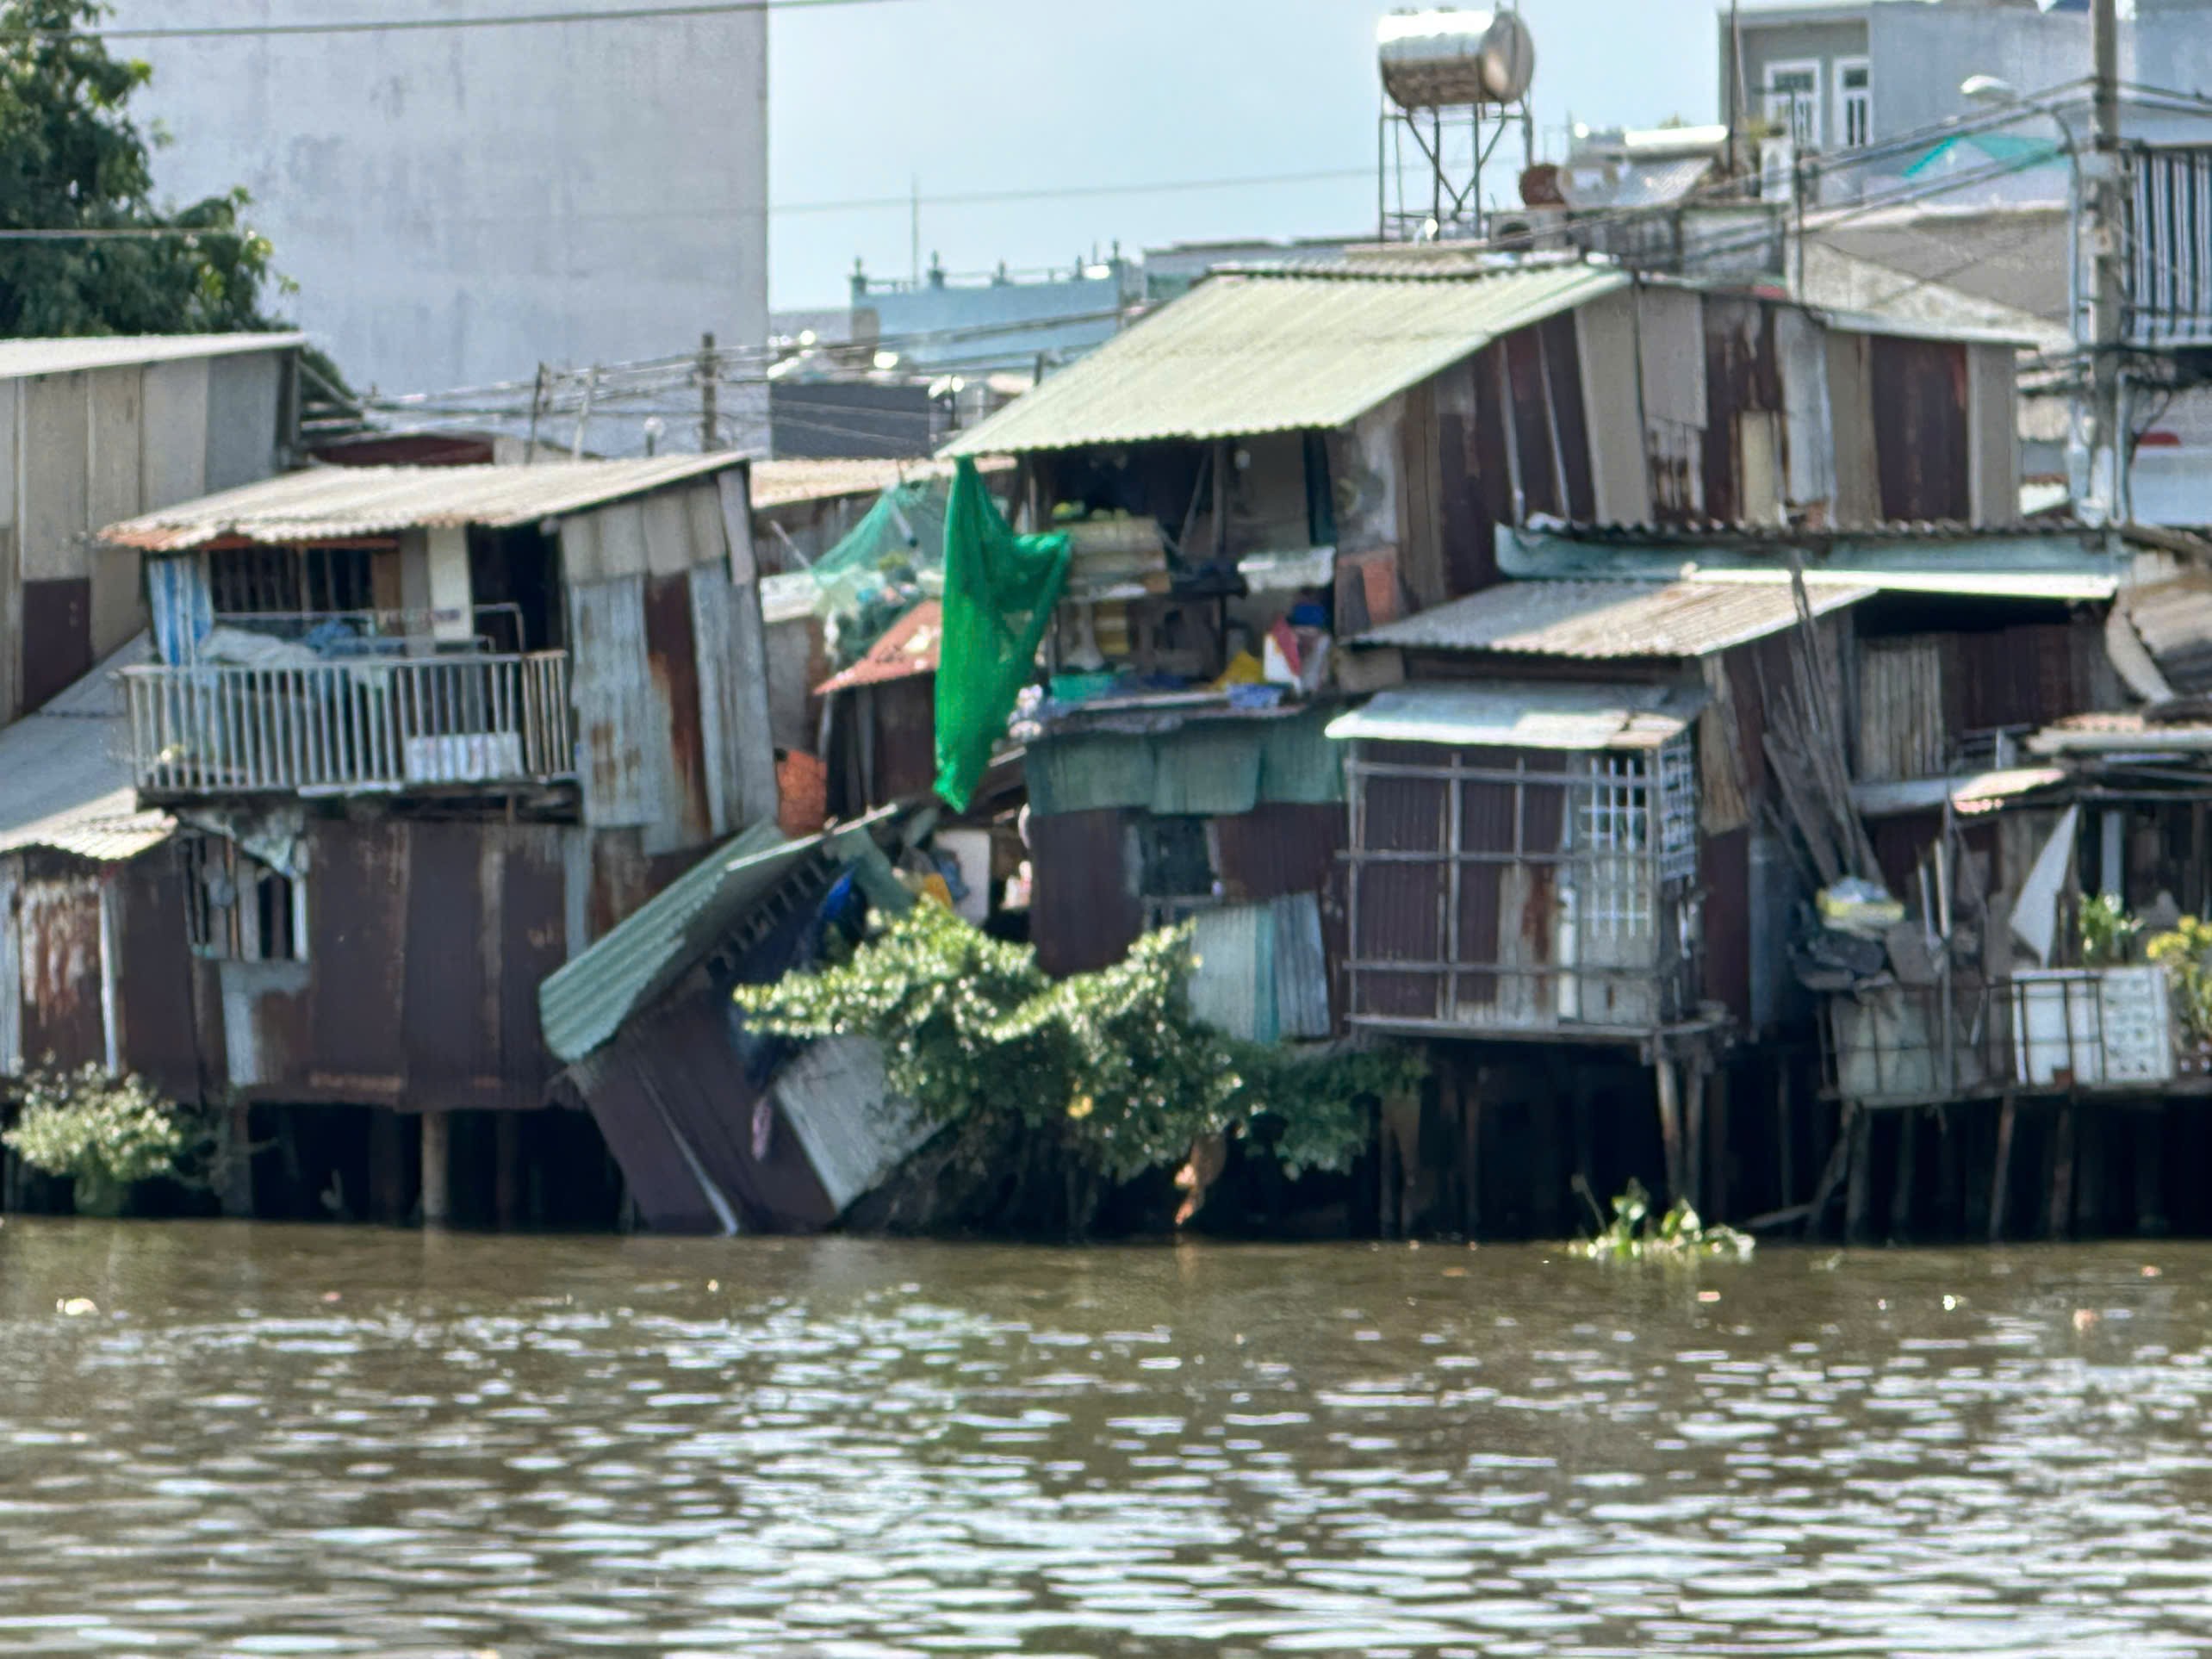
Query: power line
976, 198
411, 25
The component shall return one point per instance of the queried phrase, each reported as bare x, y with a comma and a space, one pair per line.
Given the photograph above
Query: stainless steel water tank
1445, 57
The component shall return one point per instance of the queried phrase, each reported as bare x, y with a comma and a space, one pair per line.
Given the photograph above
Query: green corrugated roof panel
583, 1005
1089, 773
1261, 353
1299, 764
1209, 769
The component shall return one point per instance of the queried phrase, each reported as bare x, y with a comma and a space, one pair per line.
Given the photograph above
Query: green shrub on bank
1111, 1063
105, 1133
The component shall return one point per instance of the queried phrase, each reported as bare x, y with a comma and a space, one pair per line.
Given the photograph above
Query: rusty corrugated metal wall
426, 945
1923, 454
669, 672
1084, 910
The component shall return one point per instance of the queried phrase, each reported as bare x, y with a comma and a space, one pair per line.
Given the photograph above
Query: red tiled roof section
909, 647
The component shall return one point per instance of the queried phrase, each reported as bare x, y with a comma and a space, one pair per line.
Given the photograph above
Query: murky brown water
272, 1440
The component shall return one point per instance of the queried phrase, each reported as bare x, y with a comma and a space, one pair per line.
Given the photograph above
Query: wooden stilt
1716, 1180
1831, 1175
236, 1193
1900, 1220
1582, 1134
2150, 1175
2089, 1173
299, 1200
2058, 1222
1785, 1136
506, 1174
1949, 1201
437, 1191
1470, 1130
1859, 1139
1693, 1132
2001, 1167
388, 1169
1670, 1126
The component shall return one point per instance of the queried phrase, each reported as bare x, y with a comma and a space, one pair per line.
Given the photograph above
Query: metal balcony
373, 726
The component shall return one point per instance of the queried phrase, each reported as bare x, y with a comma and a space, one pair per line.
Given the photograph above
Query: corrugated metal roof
1600, 620
1524, 716
779, 483
908, 648
2126, 733
378, 500
1980, 791
2027, 562
62, 357
2174, 620
65, 781
583, 1005
1254, 353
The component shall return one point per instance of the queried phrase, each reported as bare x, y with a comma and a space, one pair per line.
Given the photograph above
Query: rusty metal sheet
1536, 461
673, 1096
452, 967
58, 927
1725, 867
611, 688
679, 816
736, 728
1083, 908
1922, 447
1562, 370
359, 951
57, 637
533, 942
905, 739
1278, 849
1743, 379
165, 1014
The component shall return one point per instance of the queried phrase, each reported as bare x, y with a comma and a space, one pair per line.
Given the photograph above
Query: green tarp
1000, 589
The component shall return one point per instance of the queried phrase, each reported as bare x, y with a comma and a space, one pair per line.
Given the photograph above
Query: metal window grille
1617, 829
1678, 810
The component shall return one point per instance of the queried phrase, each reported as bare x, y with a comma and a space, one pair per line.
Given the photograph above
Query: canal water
276, 1440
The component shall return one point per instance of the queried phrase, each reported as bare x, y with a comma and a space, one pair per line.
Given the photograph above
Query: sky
1058, 97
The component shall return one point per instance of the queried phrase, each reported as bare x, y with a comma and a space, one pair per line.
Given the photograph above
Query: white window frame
1862, 96
1808, 138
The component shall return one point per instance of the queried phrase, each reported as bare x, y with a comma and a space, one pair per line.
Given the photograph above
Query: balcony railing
2088, 1030
375, 726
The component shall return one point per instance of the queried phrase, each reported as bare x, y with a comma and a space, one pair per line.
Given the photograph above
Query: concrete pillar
436, 1192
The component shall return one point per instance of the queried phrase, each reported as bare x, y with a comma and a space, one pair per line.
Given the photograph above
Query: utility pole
2107, 444
708, 396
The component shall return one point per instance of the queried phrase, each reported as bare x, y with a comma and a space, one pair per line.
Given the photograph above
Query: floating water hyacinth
1635, 1234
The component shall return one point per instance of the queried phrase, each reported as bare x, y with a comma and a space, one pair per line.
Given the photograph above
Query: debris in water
1633, 1234
75, 1306
2084, 1318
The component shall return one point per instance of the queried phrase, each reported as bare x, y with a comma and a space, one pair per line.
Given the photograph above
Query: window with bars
1855, 99
238, 909
1792, 102
290, 581
1678, 810
1617, 900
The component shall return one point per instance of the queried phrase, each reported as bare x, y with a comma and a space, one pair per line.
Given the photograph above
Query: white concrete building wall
457, 205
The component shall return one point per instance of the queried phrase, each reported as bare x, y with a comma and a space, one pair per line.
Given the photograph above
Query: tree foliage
72, 159
1112, 1062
